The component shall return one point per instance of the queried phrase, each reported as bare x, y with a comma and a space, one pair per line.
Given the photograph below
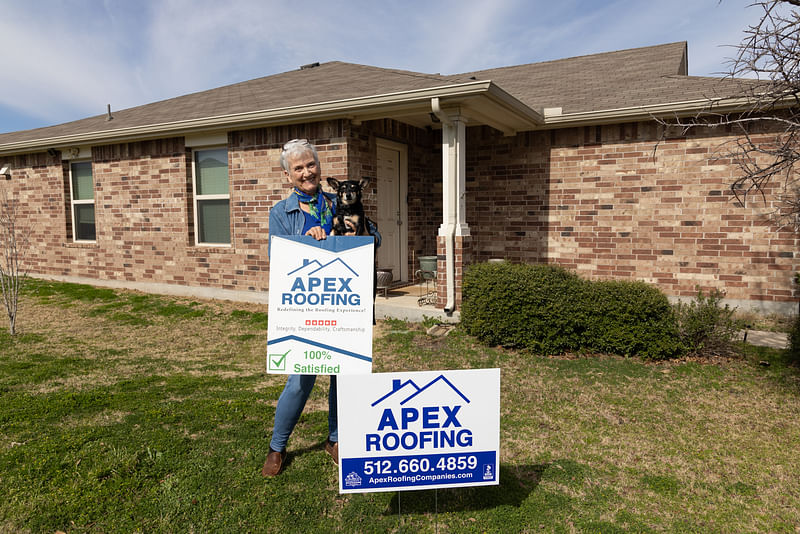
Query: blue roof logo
404, 392
313, 267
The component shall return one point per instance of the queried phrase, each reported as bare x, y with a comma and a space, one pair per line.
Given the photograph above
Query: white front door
392, 208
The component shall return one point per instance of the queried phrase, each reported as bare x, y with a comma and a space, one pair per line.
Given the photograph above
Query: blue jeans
290, 406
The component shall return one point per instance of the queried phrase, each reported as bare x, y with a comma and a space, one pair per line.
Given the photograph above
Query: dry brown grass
129, 350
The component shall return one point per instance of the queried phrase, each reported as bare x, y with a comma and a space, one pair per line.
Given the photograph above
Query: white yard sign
320, 305
419, 430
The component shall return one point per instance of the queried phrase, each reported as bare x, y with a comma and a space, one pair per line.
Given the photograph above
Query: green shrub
706, 326
548, 310
526, 306
631, 318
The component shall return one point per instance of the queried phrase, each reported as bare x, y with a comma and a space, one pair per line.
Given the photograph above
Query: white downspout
449, 166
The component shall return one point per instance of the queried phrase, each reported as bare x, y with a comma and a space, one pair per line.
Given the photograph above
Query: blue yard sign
320, 305
419, 430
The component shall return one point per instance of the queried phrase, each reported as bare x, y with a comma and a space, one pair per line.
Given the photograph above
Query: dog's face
348, 191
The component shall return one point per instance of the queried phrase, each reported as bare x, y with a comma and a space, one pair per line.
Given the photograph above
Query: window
212, 218
82, 201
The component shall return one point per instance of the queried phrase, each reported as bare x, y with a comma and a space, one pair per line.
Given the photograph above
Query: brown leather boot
332, 448
273, 464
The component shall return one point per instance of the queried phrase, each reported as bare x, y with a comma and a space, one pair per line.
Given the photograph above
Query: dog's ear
364, 182
334, 183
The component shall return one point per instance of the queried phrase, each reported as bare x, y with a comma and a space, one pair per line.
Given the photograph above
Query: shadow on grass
297, 453
516, 484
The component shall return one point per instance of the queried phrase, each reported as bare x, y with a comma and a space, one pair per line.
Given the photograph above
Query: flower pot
384, 278
427, 266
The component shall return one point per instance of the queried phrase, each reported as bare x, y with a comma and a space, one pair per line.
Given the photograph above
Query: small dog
349, 218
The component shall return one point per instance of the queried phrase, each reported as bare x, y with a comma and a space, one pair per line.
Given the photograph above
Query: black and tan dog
349, 218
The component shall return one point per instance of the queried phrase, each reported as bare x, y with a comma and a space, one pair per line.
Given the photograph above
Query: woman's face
303, 173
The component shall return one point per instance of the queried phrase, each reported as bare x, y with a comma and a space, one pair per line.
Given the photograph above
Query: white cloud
462, 33
69, 59
56, 66
195, 45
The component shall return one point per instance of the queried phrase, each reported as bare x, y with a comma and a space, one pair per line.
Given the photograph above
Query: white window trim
196, 198
73, 202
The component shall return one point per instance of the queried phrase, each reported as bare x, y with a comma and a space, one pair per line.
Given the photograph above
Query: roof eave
414, 101
689, 108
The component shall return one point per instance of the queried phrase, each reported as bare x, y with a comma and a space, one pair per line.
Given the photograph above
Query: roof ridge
404, 72
561, 60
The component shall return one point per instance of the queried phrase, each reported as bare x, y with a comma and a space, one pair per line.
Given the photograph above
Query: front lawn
124, 412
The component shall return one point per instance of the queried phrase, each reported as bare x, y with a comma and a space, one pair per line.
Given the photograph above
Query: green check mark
277, 362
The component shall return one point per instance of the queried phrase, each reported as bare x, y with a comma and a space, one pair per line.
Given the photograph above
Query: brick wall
143, 209
424, 179
600, 201
597, 200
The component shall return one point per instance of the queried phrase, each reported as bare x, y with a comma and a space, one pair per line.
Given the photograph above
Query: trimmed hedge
523, 306
549, 310
631, 318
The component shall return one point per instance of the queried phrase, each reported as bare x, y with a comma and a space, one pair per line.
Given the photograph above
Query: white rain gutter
554, 118
449, 222
415, 99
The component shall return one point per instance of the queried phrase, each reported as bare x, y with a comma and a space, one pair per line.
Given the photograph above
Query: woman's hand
317, 233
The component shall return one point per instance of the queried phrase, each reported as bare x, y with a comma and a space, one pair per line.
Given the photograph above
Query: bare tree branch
14, 247
766, 66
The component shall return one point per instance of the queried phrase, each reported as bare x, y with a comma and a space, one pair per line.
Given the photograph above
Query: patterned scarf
318, 207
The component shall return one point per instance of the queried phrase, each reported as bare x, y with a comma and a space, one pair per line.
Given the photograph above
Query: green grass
122, 412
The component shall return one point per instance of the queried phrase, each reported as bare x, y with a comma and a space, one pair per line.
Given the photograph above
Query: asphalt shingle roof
612, 80
327, 82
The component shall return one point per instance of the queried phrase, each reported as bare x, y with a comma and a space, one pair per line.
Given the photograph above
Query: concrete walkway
776, 340
404, 303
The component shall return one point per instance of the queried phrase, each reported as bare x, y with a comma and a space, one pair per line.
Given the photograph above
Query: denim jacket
286, 218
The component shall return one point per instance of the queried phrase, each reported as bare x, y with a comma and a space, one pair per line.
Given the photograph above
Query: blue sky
63, 60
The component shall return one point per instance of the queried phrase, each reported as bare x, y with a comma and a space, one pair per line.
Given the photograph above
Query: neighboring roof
593, 82
638, 77
508, 98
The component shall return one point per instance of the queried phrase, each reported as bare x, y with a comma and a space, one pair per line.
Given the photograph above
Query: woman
306, 211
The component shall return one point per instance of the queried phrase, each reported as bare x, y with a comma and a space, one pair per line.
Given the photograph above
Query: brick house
548, 162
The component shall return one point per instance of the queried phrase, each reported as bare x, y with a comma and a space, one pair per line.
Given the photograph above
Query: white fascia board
688, 108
